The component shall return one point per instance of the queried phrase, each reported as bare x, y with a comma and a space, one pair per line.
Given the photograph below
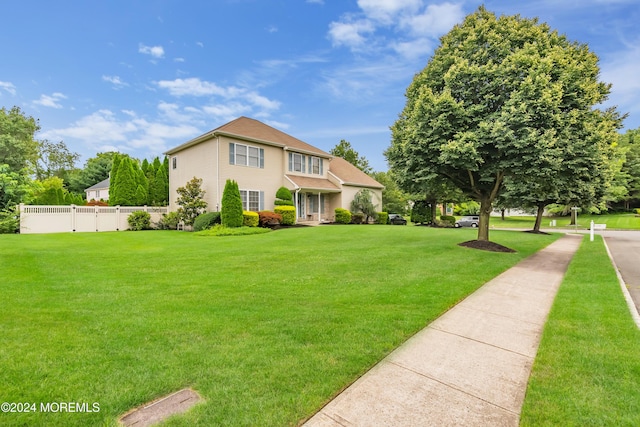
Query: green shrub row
382, 217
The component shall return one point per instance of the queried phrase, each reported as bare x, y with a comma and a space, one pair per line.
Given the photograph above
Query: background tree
95, 170
362, 203
346, 151
629, 143
498, 95
123, 184
18, 148
394, 200
231, 211
55, 159
191, 201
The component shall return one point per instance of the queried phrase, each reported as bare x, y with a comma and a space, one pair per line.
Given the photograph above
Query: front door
302, 201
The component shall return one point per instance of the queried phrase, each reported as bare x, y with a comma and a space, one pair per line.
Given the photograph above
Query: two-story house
262, 159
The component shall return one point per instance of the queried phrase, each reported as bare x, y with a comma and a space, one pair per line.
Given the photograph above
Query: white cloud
622, 70
155, 51
351, 34
315, 1
434, 21
115, 80
178, 59
272, 29
51, 101
191, 86
386, 10
8, 87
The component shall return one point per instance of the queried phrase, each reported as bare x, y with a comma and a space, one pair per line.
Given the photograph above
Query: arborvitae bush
343, 216
448, 220
250, 219
139, 220
231, 212
288, 214
206, 220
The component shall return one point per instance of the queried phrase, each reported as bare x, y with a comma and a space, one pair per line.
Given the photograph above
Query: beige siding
349, 192
197, 161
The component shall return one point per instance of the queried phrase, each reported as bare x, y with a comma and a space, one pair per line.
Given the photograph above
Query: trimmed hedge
382, 217
206, 220
268, 219
288, 214
250, 219
343, 216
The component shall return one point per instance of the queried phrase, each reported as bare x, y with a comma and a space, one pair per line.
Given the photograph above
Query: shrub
169, 221
283, 197
357, 218
268, 219
288, 214
206, 220
100, 202
139, 220
9, 221
638, 211
343, 216
382, 217
448, 219
231, 205
250, 219
421, 212
191, 201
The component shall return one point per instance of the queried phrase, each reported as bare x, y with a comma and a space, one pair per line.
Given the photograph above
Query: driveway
625, 249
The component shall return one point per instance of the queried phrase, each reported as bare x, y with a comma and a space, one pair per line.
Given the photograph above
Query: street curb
627, 296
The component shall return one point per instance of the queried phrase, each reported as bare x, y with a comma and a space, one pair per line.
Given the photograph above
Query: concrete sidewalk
470, 367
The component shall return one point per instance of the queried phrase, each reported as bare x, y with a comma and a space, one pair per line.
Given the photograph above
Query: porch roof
307, 183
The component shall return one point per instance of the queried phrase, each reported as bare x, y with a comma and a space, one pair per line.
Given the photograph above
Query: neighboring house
99, 191
262, 159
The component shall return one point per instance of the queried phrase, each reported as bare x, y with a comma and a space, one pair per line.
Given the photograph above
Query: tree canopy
501, 97
345, 150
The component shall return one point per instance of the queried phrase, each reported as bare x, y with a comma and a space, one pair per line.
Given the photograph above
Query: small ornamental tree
191, 201
283, 197
362, 203
231, 212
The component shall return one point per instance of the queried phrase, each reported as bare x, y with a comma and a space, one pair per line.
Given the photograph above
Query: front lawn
266, 328
587, 371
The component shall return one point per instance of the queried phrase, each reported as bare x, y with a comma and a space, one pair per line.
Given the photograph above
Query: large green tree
498, 97
18, 147
55, 159
344, 150
629, 142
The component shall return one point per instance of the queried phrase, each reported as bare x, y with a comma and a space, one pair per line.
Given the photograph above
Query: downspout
218, 173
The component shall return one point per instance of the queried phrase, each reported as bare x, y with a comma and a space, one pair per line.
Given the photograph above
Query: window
174, 162
246, 155
296, 162
315, 165
252, 200
313, 203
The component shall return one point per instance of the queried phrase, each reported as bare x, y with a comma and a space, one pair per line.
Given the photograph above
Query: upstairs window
297, 162
246, 155
315, 165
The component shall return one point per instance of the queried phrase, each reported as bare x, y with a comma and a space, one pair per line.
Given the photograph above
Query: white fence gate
61, 218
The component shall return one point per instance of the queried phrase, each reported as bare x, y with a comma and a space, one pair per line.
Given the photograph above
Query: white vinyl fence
62, 218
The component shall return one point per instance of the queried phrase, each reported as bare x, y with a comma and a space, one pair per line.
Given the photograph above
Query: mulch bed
485, 245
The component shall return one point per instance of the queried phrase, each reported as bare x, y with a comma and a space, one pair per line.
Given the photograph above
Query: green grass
587, 371
267, 328
613, 221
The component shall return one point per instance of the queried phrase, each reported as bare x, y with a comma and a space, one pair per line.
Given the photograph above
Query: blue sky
141, 77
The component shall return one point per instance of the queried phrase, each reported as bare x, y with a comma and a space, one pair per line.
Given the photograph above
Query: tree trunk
573, 217
502, 213
485, 213
434, 211
536, 227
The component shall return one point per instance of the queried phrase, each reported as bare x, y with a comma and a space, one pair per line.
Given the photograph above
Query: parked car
397, 219
468, 221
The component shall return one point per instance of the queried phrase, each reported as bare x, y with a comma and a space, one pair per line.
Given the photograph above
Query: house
262, 159
99, 191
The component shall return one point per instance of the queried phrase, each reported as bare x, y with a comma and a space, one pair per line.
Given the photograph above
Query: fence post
73, 218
